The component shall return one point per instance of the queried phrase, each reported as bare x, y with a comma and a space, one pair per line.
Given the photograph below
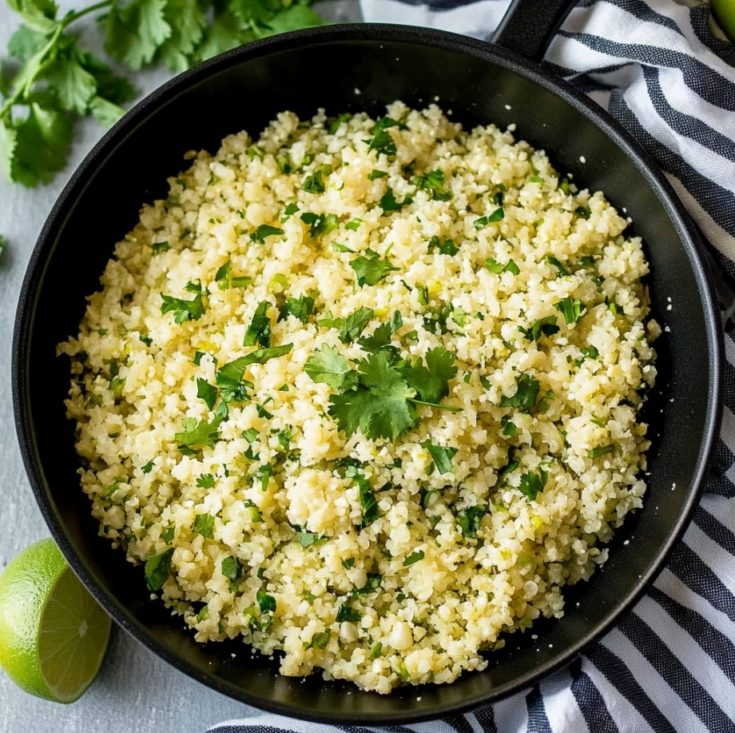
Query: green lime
53, 634
724, 12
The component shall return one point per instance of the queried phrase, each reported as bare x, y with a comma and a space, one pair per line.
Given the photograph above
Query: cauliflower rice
308, 501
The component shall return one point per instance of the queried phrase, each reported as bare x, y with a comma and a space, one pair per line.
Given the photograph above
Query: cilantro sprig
55, 80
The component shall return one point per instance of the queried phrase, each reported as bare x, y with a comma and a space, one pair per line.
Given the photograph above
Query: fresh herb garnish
319, 223
158, 569
353, 225
351, 327
533, 483
204, 525
588, 352
571, 309
206, 481
185, 310
375, 174
371, 268
414, 557
433, 183
231, 568
301, 308
259, 330
230, 376
265, 230
368, 502
444, 247
469, 520
583, 212
159, 247
554, 262
206, 392
441, 456
319, 640
508, 427
327, 366
600, 451
498, 269
542, 327
388, 201
266, 602
483, 221
309, 539
527, 389
347, 613
197, 434
313, 183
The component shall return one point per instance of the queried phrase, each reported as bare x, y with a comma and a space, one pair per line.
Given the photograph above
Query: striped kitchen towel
667, 73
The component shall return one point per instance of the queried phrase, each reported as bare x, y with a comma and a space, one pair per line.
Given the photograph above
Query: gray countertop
135, 690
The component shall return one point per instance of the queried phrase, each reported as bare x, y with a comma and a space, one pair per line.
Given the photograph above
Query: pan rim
369, 34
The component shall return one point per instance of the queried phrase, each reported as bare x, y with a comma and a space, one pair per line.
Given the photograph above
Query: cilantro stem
448, 408
71, 17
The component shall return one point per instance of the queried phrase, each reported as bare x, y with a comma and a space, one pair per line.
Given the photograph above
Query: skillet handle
529, 25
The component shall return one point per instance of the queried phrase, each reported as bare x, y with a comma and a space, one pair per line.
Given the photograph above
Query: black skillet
350, 68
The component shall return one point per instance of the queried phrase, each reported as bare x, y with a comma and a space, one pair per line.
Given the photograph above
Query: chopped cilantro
347, 613
184, 310
370, 268
159, 247
533, 483
207, 392
337, 122
414, 557
388, 202
289, 211
498, 269
583, 212
204, 525
542, 327
375, 173
508, 427
353, 225
168, 534
588, 352
230, 376
147, 468
376, 651
197, 433
266, 603
327, 366
319, 640
301, 308
313, 183
351, 327
469, 520
381, 142
371, 585
265, 230
348, 563
554, 262
319, 223
259, 330
441, 456
206, 481
379, 340
231, 568
433, 183
483, 221
308, 539
368, 502
251, 435
571, 309
444, 247
339, 247
158, 568
431, 379
263, 474
527, 389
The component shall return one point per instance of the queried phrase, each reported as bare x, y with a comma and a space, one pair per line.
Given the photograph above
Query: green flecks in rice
381, 561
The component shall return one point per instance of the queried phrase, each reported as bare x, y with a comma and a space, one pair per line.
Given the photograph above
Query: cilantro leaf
231, 568
379, 406
509, 428
527, 389
371, 269
441, 456
319, 223
204, 525
571, 309
184, 310
266, 602
445, 247
327, 366
351, 327
600, 451
483, 221
135, 31
34, 148
259, 330
38, 15
187, 21
413, 558
301, 308
206, 481
469, 520
588, 352
388, 202
431, 380
207, 392
347, 613
433, 183
158, 569
368, 502
554, 262
309, 539
265, 230
197, 434
379, 340
75, 87
382, 142
533, 483
498, 269
542, 327
313, 183
233, 371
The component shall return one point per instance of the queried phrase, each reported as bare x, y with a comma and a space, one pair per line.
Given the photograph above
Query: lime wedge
724, 12
53, 634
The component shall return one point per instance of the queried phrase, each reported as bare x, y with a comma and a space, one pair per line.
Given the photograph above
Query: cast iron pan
351, 68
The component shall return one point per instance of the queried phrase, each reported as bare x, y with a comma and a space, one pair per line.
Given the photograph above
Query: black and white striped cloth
667, 73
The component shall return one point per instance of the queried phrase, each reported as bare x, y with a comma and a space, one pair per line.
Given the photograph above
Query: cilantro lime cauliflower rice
365, 392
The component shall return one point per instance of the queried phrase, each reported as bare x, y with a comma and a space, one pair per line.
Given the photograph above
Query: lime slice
53, 634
